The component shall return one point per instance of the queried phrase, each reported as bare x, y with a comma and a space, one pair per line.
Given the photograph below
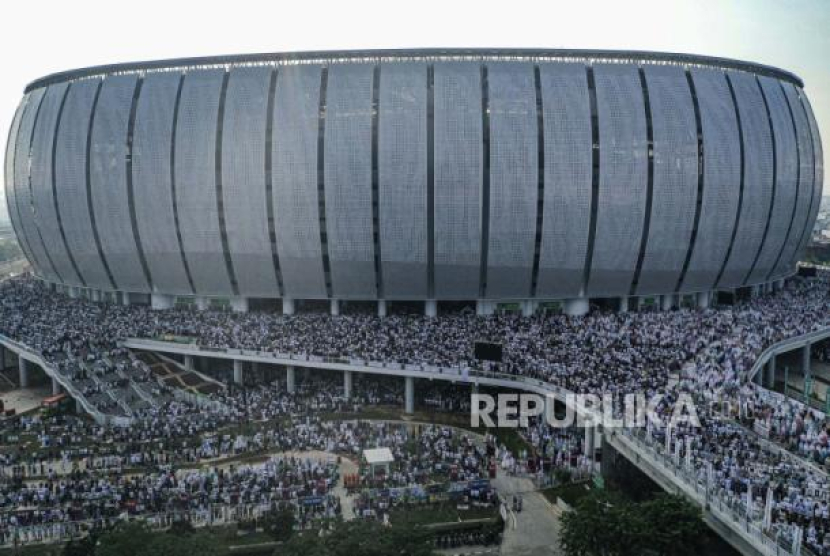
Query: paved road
535, 530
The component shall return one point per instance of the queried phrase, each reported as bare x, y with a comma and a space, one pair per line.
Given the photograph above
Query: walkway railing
66, 382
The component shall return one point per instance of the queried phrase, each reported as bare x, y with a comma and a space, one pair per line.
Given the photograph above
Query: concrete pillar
188, 362
704, 299
239, 304
160, 301
23, 372
287, 306
381, 307
335, 307
78, 407
770, 381
588, 445
484, 307
528, 308
666, 302
202, 303
125, 298
237, 371
575, 307
347, 384
74, 292
56, 387
431, 308
805, 360
291, 380
409, 395
778, 285
624, 304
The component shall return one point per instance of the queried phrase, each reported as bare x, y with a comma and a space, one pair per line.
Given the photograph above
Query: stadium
494, 176
401, 234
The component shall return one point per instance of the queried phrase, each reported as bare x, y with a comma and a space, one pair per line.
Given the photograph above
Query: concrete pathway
535, 530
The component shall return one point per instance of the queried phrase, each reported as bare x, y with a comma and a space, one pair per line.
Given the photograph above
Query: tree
85, 546
675, 526
168, 544
606, 524
603, 524
361, 538
126, 539
279, 524
136, 539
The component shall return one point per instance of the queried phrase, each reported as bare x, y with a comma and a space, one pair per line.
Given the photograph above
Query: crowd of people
705, 354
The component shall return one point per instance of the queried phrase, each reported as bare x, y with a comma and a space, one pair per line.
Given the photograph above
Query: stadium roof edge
433, 54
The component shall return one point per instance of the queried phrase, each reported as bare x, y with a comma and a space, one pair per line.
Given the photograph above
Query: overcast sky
41, 37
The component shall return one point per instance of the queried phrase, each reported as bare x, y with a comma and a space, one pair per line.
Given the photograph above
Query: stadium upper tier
416, 175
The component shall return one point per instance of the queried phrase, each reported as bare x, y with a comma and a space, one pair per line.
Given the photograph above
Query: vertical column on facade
770, 368
188, 362
202, 303
125, 299
56, 387
409, 395
528, 308
588, 446
431, 308
238, 375
239, 304
335, 307
575, 307
805, 361
287, 306
623, 304
484, 307
23, 371
347, 384
703, 299
291, 379
666, 302
381, 307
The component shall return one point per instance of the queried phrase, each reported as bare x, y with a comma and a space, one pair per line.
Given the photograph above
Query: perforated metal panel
567, 205
757, 189
348, 167
674, 191
818, 181
721, 179
806, 174
71, 181
43, 202
785, 179
622, 180
243, 181
402, 173
195, 171
11, 201
514, 179
294, 182
458, 180
152, 187
22, 194
108, 180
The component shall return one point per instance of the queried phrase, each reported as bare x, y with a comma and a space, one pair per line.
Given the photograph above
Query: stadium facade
487, 175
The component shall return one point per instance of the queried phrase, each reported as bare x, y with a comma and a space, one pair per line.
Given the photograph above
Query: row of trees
353, 538
606, 524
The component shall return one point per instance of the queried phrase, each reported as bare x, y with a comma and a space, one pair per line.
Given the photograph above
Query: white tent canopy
378, 456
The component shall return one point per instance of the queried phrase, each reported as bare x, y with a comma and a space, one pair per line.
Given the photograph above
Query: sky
38, 38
